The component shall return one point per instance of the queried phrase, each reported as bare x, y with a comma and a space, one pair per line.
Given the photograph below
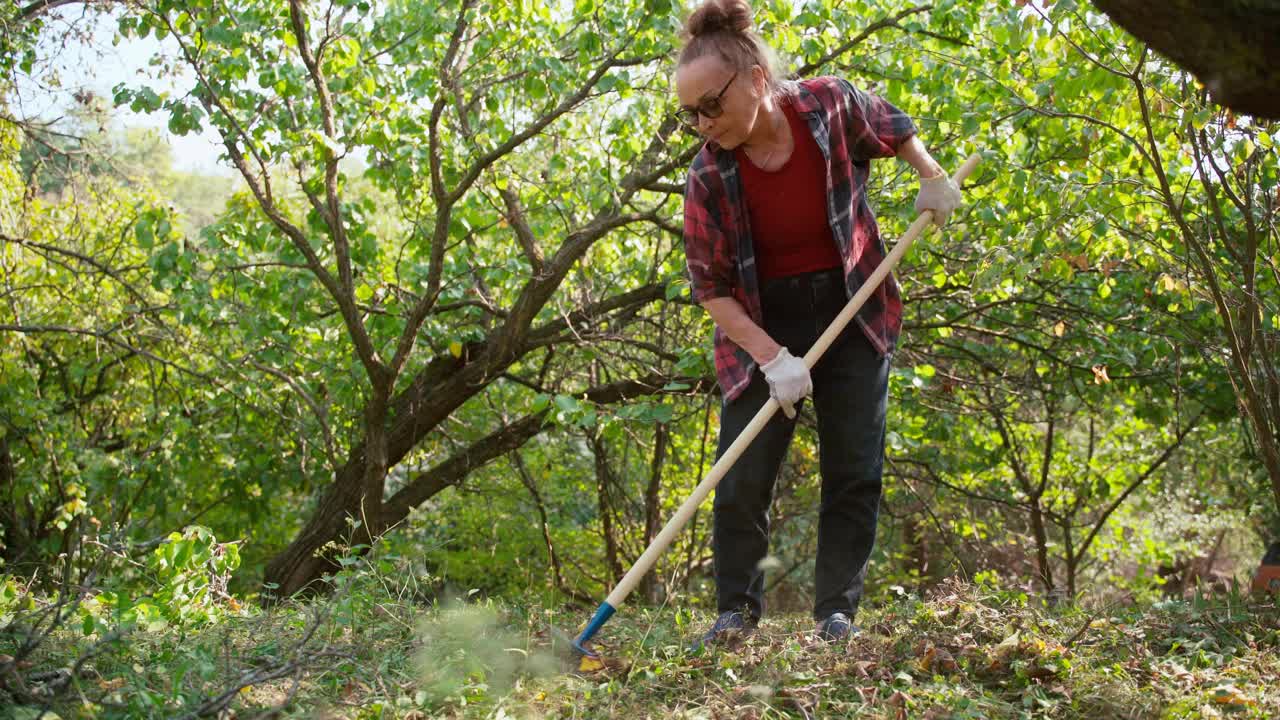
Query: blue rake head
603, 613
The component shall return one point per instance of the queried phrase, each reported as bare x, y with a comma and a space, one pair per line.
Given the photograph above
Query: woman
778, 236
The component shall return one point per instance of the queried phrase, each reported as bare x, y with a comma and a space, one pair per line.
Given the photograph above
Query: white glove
939, 194
789, 380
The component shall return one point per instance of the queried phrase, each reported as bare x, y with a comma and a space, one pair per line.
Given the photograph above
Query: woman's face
699, 84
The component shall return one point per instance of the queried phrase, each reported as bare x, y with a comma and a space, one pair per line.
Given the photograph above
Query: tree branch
454, 469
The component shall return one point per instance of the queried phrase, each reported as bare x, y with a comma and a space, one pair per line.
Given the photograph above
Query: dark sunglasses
710, 107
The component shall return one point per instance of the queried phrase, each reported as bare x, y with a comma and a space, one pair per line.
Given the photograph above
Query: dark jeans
850, 393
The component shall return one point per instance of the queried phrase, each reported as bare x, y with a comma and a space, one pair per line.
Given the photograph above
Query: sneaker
837, 627
730, 626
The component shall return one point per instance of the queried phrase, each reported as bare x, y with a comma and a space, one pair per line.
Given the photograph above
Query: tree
451, 121
458, 233
1236, 60
1072, 266
1181, 144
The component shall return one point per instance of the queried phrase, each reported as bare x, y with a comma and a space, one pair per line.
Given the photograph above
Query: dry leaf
113, 684
590, 664
1008, 645
350, 689
1060, 328
1080, 262
1039, 672
899, 700
941, 661
1231, 695
1100, 375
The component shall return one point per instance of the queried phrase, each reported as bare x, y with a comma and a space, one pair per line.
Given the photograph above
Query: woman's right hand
789, 380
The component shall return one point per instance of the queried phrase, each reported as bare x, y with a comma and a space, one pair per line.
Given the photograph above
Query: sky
88, 61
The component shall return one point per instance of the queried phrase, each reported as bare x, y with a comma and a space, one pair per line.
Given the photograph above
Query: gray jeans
850, 394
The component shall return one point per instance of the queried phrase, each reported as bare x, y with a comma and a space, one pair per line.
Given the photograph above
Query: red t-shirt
787, 208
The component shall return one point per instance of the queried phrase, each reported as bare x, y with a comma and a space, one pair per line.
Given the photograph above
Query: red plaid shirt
851, 127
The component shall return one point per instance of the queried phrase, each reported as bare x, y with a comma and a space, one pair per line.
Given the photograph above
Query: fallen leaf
1008, 645
1040, 672
590, 664
899, 700
939, 660
350, 689
113, 684
1231, 695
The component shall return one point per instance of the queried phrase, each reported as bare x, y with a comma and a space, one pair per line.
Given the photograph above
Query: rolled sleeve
876, 129
705, 245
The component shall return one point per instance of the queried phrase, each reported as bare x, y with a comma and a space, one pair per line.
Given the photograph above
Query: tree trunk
605, 508
436, 391
372, 521
12, 536
1043, 568
1229, 46
301, 564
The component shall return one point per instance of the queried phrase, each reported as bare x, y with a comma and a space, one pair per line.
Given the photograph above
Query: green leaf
143, 231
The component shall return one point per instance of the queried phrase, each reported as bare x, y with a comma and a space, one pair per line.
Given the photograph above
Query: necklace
764, 164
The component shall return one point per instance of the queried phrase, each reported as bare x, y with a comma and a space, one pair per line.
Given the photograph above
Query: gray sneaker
837, 627
730, 626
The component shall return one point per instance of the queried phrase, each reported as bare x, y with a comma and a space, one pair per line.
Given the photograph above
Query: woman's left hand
939, 194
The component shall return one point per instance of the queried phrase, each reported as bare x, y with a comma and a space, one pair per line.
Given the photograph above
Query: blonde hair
723, 28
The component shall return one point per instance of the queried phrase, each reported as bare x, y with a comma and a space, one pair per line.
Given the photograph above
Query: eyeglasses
710, 107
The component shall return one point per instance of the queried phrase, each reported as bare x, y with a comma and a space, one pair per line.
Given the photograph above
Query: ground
962, 651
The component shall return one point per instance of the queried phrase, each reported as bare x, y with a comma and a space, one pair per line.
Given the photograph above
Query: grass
963, 651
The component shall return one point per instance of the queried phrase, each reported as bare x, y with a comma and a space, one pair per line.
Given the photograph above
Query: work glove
789, 380
939, 194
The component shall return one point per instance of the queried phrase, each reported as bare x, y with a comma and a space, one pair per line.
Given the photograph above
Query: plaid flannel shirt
851, 127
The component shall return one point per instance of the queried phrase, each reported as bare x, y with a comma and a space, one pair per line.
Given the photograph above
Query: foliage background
1070, 408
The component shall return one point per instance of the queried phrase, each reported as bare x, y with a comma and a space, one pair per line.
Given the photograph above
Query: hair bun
717, 16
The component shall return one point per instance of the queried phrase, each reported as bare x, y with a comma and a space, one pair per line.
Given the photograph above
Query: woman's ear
759, 83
